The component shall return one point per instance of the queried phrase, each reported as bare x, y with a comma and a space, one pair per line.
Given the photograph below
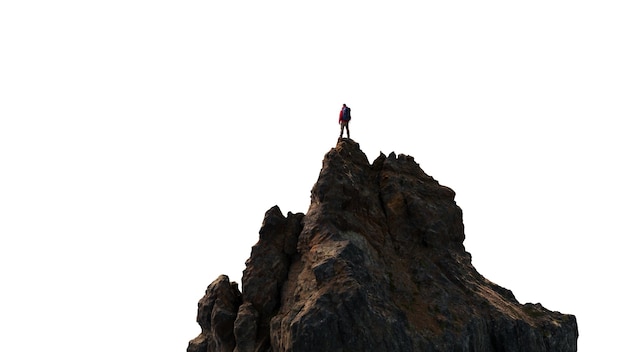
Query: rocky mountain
376, 264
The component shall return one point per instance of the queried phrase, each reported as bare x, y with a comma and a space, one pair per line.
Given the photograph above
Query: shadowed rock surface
376, 264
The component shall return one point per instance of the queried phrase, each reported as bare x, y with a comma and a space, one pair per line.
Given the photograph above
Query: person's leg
341, 133
348, 128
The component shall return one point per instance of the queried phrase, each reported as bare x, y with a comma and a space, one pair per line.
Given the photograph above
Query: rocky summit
376, 264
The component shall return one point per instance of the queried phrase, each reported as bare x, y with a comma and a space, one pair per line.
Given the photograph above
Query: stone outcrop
376, 264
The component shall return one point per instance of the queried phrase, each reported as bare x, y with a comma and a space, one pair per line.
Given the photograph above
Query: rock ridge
376, 264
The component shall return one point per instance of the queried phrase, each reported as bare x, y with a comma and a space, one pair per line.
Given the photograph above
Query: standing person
344, 120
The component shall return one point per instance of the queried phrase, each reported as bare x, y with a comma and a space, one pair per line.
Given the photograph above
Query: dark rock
245, 328
217, 311
376, 264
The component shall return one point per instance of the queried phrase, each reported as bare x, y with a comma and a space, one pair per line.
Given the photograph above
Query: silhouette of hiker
344, 120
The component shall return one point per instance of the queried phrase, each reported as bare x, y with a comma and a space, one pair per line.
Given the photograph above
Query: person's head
344, 104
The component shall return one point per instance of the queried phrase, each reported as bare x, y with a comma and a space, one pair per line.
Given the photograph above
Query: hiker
344, 119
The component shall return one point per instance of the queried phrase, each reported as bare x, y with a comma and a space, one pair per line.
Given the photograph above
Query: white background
141, 143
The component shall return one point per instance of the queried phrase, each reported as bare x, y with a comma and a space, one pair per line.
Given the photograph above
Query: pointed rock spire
376, 264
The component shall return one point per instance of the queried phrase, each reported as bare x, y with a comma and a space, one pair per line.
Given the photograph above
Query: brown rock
217, 311
377, 264
246, 328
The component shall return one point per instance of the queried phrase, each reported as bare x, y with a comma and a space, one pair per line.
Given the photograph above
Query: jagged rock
376, 264
217, 312
246, 327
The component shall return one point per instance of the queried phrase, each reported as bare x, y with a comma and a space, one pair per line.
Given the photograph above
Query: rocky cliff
376, 264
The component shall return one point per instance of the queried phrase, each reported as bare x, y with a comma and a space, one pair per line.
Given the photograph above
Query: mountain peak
377, 263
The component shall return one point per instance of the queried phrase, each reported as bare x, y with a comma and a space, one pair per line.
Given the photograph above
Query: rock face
376, 264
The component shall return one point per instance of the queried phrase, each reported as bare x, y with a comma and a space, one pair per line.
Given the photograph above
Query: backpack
346, 114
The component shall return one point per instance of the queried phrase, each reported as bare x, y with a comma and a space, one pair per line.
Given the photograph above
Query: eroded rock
376, 264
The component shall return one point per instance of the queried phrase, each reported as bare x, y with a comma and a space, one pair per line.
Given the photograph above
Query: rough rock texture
376, 264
